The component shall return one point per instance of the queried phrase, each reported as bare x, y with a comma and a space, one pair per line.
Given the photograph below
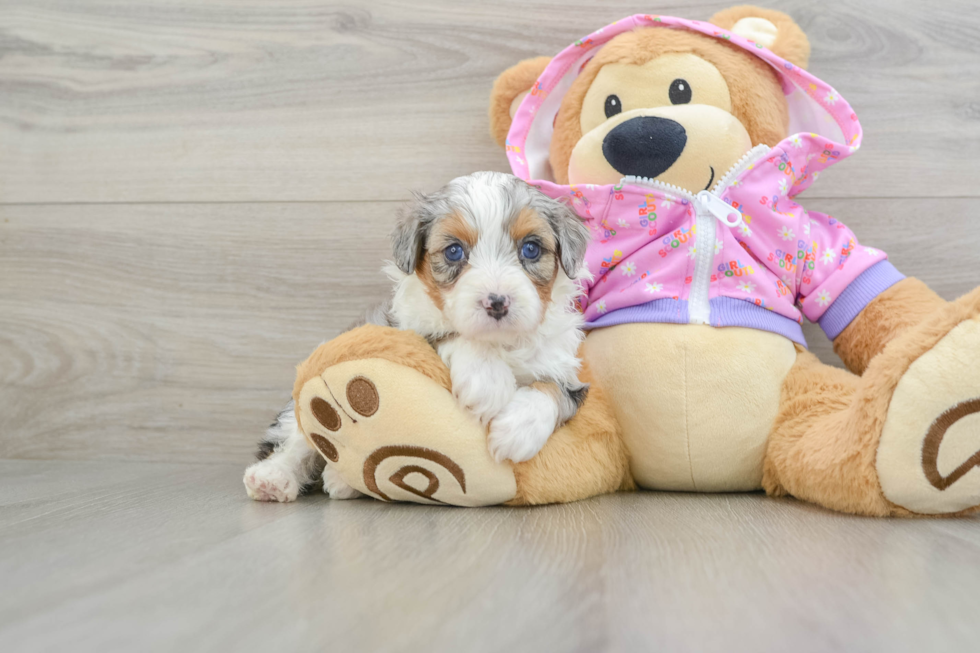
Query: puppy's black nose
496, 306
645, 146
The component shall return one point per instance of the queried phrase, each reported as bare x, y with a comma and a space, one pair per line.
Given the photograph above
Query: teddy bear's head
666, 104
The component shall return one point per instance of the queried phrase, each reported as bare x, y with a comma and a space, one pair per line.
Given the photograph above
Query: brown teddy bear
682, 144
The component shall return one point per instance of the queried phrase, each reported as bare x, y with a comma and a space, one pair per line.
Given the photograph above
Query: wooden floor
195, 194
169, 557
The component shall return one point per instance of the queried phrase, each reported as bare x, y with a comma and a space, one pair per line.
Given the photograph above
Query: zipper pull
720, 209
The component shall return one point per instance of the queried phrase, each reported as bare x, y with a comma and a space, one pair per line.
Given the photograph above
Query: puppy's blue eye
531, 251
454, 253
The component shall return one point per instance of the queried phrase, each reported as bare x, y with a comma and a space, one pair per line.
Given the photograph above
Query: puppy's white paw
268, 481
335, 487
523, 427
484, 391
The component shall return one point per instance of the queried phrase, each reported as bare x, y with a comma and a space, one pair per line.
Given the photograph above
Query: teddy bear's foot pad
395, 434
929, 453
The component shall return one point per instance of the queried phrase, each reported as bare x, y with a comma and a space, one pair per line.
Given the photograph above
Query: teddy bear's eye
613, 106
680, 92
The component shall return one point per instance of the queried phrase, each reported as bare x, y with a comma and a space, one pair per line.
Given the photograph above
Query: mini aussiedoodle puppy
484, 269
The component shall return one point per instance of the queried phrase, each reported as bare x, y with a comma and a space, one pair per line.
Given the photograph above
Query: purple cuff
869, 284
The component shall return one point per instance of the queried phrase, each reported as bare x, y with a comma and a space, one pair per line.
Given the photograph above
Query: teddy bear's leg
902, 439
377, 403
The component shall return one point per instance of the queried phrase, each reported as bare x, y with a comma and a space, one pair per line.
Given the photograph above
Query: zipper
719, 208
709, 209
740, 166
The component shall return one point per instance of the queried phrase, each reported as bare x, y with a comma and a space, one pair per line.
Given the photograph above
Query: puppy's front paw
483, 391
523, 426
267, 481
335, 487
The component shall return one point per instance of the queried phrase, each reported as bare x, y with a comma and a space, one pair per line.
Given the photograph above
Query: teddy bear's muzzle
689, 146
645, 146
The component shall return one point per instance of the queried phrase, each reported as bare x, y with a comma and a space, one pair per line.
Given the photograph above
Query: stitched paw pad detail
392, 433
363, 401
931, 446
929, 452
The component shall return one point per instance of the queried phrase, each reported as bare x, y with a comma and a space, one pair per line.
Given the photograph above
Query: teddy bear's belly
696, 403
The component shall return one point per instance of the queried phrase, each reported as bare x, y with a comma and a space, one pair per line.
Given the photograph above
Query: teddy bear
682, 144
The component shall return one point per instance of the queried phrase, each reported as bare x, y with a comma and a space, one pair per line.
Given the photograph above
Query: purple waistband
725, 312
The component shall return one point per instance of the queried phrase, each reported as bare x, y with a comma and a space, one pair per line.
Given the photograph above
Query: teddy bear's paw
523, 427
928, 457
392, 433
336, 487
268, 481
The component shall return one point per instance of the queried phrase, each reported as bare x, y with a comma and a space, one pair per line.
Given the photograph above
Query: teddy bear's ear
508, 91
770, 29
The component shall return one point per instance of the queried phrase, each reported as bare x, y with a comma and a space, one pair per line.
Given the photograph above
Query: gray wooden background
194, 194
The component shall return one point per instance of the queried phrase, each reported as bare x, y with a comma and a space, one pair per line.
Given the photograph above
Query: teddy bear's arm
906, 304
873, 302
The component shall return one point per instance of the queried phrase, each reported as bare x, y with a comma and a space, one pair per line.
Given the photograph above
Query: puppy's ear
411, 230
508, 91
572, 236
770, 29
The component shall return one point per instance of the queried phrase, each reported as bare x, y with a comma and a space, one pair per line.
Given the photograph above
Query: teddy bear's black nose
644, 146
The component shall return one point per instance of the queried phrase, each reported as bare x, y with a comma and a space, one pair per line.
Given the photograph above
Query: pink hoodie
744, 254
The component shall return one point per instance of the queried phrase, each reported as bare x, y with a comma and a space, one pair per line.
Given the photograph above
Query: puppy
484, 269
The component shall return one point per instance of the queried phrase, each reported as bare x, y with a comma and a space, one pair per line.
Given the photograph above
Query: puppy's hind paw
267, 481
335, 487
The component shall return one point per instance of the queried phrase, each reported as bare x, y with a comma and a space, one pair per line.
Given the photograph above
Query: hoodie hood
819, 117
